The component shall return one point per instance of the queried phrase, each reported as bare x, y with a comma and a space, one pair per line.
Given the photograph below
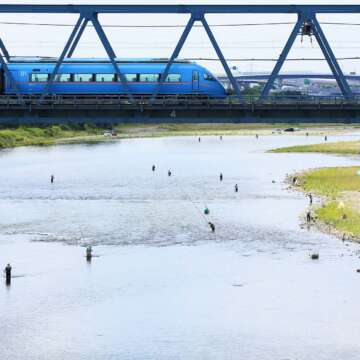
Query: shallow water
162, 286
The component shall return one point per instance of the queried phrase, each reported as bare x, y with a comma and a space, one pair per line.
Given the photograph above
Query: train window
173, 78
149, 77
83, 77
39, 77
131, 77
209, 77
63, 78
105, 77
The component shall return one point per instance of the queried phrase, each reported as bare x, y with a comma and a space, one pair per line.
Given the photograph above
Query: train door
195, 81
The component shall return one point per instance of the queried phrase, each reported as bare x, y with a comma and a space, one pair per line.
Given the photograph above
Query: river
161, 285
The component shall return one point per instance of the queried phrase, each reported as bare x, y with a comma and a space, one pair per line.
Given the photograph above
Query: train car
96, 76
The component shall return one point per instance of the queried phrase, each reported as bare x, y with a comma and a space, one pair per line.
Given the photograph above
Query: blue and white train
97, 76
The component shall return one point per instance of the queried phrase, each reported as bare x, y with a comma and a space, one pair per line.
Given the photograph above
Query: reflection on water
162, 286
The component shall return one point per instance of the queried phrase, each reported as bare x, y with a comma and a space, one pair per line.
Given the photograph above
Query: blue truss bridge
168, 89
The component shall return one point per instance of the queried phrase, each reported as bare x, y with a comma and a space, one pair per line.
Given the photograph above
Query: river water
161, 285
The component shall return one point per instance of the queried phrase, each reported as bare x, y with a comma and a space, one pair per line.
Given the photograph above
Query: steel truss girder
73, 42
65, 51
174, 55
4, 51
179, 9
77, 38
110, 53
269, 84
5, 54
330, 58
180, 44
221, 56
325, 48
90, 12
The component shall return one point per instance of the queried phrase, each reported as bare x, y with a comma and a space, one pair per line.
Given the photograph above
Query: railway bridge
50, 106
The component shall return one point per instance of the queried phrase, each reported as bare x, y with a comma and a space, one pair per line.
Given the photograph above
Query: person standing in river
310, 199
308, 216
89, 253
7, 272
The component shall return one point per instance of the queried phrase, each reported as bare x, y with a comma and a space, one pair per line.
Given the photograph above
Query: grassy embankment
216, 129
185, 129
340, 186
22, 136
341, 147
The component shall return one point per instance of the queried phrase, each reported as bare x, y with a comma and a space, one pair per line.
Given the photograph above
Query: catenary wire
144, 26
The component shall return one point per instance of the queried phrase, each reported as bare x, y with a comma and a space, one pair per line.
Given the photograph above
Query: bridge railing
31, 102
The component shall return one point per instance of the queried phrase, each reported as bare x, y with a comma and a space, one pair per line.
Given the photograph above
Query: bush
6, 140
53, 131
90, 128
65, 127
33, 131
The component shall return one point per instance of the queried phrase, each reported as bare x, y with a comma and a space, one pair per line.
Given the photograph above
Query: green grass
331, 181
341, 187
343, 219
341, 147
24, 136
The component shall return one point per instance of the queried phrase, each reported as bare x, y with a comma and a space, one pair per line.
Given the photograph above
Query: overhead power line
145, 26
272, 59
341, 23
120, 45
172, 26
